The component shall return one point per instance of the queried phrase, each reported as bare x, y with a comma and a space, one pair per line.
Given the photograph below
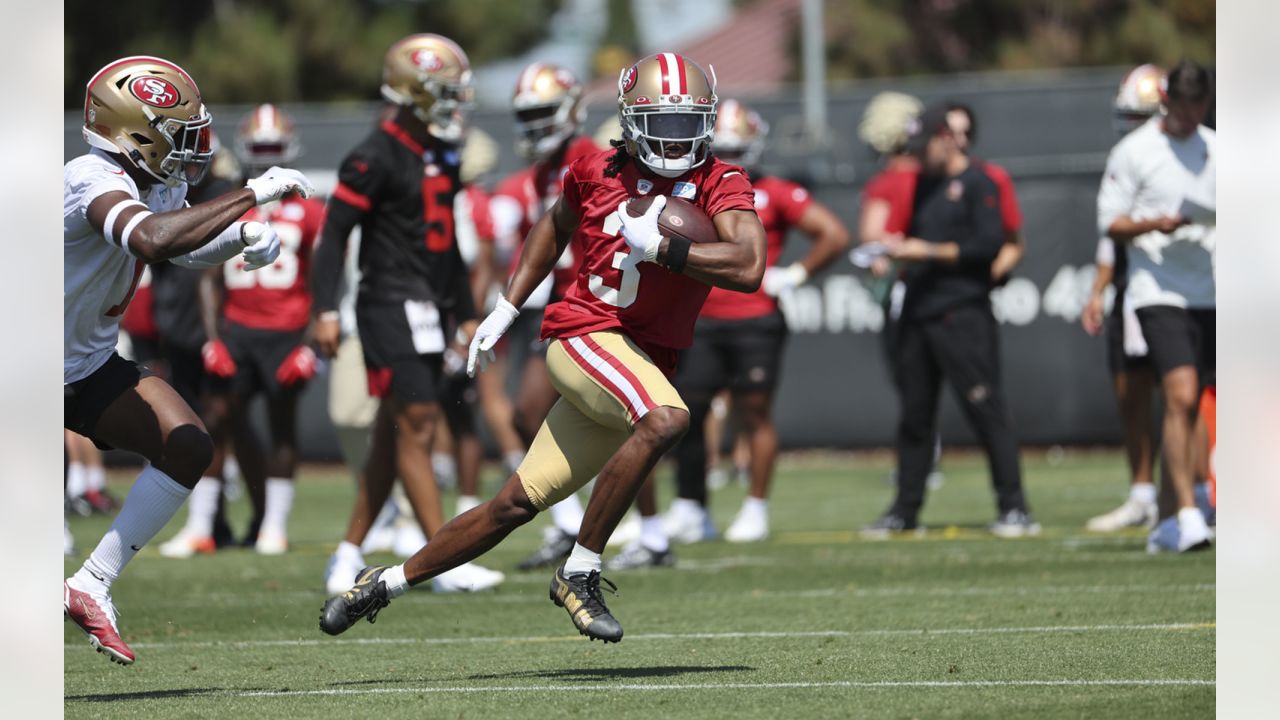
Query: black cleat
636, 556
888, 525
556, 546
364, 600
579, 594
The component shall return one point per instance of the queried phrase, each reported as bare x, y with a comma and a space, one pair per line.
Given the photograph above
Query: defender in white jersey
124, 208
1159, 195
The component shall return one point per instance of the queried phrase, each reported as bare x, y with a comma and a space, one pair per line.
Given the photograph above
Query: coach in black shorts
946, 329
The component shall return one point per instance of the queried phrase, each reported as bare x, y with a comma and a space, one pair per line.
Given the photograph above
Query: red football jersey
521, 199
277, 297
613, 290
779, 203
1010, 214
897, 187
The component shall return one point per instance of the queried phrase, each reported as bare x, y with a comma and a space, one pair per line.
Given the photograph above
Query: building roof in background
751, 53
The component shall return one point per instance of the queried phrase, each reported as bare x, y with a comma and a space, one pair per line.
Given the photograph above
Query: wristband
328, 315
677, 253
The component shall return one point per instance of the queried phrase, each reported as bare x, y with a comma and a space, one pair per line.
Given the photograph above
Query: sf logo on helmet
154, 91
427, 60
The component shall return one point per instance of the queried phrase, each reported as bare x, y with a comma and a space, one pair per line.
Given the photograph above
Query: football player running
615, 336
549, 112
399, 185
738, 340
123, 208
257, 329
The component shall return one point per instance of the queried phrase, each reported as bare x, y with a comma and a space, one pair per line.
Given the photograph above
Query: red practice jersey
613, 290
779, 203
521, 199
277, 297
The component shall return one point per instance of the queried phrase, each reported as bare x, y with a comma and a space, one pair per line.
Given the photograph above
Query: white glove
487, 335
779, 281
278, 182
262, 245
641, 233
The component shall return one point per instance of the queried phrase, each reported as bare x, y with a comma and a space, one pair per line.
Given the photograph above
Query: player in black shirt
399, 185
946, 328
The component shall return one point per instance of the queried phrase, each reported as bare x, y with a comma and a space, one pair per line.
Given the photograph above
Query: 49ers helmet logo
630, 80
155, 91
427, 60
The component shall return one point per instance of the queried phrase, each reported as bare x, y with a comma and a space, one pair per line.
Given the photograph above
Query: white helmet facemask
670, 141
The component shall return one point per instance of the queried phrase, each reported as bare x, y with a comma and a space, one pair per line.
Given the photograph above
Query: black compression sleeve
677, 254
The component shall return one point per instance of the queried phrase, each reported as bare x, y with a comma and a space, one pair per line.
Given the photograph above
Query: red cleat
96, 617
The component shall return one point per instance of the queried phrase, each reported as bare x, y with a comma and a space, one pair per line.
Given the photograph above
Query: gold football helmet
887, 121
266, 137
667, 106
1138, 99
739, 134
150, 111
431, 74
549, 109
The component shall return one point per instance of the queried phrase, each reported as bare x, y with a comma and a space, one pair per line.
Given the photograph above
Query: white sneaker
409, 539
379, 539
339, 576
186, 543
271, 544
467, 577
1193, 532
628, 530
686, 522
1131, 514
748, 526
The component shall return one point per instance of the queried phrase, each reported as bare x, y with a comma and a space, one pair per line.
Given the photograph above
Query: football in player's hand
679, 218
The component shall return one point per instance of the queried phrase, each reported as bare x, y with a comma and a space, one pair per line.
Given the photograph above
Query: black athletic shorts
394, 366
1178, 337
1113, 328
86, 399
258, 354
742, 355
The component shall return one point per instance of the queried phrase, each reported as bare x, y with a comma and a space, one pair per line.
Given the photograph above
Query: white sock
567, 515
652, 535
581, 561
95, 477
445, 469
685, 506
203, 506
1144, 493
466, 502
77, 481
231, 467
397, 585
151, 502
755, 506
1191, 519
512, 461
349, 554
275, 516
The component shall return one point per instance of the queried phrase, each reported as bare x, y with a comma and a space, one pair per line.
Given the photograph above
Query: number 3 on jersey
279, 275
629, 283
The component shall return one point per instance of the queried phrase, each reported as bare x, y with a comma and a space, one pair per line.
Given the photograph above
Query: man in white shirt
1159, 195
124, 207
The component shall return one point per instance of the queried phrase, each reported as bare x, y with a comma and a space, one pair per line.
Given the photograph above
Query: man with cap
946, 329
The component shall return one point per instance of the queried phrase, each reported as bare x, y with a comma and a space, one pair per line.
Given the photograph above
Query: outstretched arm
156, 237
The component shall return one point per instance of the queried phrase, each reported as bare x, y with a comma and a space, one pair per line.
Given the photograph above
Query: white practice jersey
1150, 175
98, 277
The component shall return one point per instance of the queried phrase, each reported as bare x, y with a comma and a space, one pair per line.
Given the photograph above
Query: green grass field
812, 623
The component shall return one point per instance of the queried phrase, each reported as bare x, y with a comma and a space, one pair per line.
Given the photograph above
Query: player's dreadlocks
618, 159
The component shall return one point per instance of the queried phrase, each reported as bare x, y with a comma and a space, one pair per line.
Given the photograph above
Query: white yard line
922, 632
837, 684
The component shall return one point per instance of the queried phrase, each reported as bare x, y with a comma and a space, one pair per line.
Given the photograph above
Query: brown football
679, 217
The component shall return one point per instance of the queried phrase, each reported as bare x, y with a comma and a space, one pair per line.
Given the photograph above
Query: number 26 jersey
613, 289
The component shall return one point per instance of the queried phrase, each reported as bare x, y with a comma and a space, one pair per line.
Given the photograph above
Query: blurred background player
1159, 195
124, 206
256, 325
739, 339
549, 112
399, 185
86, 476
1137, 101
946, 329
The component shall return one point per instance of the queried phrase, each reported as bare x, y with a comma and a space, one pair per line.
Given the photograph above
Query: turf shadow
605, 674
149, 694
